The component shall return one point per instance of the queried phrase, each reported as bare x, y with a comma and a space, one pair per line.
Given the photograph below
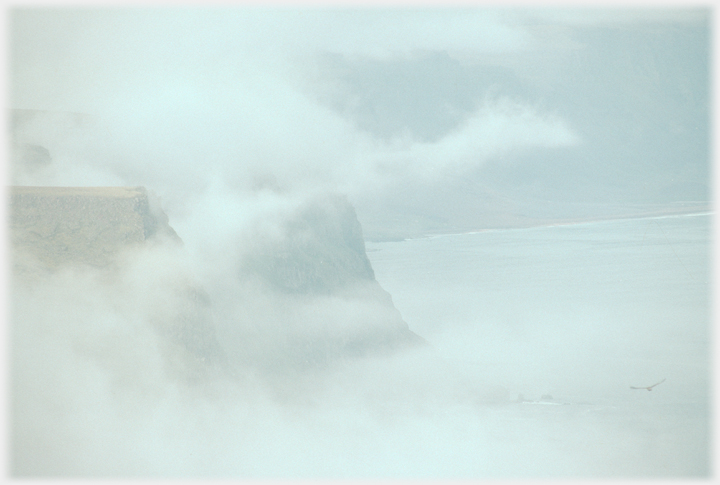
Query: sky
424, 117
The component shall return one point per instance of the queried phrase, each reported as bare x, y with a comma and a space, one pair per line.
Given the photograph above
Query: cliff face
308, 292
318, 268
106, 232
321, 250
88, 225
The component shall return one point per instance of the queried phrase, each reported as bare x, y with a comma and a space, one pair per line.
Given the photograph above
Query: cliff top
58, 225
111, 192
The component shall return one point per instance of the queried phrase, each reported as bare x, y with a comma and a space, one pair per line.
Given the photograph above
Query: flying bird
649, 388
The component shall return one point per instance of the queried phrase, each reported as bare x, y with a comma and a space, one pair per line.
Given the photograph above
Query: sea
568, 320
575, 351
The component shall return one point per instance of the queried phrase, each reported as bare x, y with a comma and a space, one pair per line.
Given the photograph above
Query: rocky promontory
101, 233
309, 291
88, 225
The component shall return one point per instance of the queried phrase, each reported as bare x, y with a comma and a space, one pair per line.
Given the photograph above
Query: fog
460, 139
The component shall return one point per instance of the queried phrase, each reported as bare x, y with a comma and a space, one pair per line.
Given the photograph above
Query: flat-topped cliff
103, 233
308, 290
88, 225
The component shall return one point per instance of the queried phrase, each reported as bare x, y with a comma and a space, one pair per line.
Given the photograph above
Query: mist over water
581, 312
572, 314
603, 304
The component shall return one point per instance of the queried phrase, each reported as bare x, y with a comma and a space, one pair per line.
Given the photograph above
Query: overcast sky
414, 113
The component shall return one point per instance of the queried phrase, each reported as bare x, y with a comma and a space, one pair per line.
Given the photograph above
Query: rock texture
82, 224
319, 263
96, 229
309, 293
321, 250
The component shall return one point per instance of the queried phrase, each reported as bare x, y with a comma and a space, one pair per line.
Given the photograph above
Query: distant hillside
470, 206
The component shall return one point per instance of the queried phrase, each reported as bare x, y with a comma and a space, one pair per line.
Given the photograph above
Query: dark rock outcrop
30, 157
321, 250
320, 257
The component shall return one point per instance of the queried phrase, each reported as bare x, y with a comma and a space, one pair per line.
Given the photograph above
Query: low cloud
176, 107
498, 128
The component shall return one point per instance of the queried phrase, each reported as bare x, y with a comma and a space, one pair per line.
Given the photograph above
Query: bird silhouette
649, 388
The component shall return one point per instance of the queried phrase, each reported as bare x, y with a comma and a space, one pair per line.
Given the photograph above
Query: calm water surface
580, 313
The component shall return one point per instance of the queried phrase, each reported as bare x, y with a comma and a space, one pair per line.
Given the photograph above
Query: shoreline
663, 215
